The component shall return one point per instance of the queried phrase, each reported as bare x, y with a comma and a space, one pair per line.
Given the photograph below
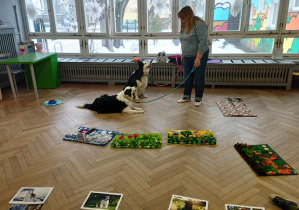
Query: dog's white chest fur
141, 85
144, 80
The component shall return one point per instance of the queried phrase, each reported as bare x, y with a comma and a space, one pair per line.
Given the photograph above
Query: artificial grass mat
137, 141
190, 137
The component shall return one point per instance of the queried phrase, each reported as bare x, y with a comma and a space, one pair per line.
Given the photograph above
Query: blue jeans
198, 76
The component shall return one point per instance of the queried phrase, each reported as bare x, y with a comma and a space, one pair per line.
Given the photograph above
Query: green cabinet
47, 74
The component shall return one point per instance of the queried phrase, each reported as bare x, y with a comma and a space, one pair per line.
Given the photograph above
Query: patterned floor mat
235, 107
91, 136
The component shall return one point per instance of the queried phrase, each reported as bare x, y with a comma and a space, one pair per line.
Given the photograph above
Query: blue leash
143, 102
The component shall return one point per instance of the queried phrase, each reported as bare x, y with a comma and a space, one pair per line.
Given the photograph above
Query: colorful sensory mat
235, 107
137, 140
191, 137
264, 161
91, 136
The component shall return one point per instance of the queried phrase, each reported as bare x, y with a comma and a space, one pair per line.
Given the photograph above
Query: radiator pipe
17, 20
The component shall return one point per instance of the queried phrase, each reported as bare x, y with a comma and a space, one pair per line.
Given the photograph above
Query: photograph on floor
32, 195
179, 202
26, 207
238, 207
102, 200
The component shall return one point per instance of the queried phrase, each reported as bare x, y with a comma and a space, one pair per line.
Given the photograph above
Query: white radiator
8, 44
243, 72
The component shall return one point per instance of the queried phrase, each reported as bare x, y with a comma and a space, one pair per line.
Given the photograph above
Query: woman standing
195, 53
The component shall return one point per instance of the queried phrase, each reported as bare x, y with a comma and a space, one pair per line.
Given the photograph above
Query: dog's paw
140, 111
137, 108
144, 96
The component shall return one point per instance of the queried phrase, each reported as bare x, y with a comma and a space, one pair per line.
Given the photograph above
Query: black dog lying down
120, 103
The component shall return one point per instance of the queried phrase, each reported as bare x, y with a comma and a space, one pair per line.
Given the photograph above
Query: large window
95, 16
263, 15
38, 16
243, 46
71, 46
107, 46
143, 28
291, 45
126, 16
170, 46
198, 6
65, 16
159, 16
293, 15
227, 15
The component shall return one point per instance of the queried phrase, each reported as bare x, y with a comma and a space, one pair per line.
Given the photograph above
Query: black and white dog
139, 79
120, 103
105, 202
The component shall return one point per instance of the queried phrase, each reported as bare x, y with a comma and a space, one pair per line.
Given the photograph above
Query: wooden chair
14, 72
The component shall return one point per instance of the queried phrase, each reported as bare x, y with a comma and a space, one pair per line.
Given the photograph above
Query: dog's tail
87, 106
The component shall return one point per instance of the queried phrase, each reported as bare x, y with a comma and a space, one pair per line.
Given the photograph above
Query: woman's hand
197, 63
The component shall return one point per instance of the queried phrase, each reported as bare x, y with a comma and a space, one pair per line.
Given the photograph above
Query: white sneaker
183, 100
197, 103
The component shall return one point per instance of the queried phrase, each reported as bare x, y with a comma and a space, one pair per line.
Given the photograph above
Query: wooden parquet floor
32, 152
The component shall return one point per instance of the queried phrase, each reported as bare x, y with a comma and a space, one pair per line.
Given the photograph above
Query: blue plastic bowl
52, 102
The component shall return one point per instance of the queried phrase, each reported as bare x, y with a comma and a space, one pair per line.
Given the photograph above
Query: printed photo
102, 200
18, 207
179, 202
26, 207
238, 207
32, 195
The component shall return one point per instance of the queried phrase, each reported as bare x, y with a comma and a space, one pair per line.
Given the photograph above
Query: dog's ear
140, 63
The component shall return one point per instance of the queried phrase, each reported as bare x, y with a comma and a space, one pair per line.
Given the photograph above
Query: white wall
7, 15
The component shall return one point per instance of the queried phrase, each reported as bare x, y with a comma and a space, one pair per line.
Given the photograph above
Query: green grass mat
137, 141
190, 137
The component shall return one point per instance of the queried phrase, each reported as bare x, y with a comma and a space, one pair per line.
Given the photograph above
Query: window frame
139, 22
245, 56
284, 20
159, 38
78, 21
81, 42
291, 55
292, 6
143, 36
84, 20
145, 20
248, 20
110, 55
225, 33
